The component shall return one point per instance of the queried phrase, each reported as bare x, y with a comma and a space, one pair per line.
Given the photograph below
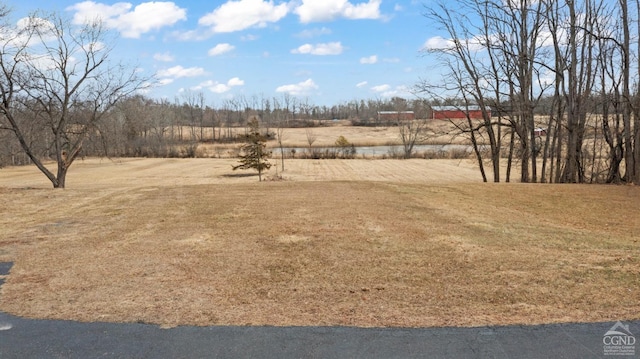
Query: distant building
388, 116
456, 112
539, 132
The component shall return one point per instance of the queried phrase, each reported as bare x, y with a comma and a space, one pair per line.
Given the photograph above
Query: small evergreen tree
345, 148
253, 153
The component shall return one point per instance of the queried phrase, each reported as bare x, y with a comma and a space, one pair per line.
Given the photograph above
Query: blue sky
325, 51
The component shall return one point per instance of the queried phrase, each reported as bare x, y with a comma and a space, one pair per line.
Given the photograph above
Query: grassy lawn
171, 246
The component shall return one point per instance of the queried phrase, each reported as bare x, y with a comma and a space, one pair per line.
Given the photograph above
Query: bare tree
64, 73
468, 78
508, 52
579, 85
280, 138
411, 132
631, 129
581, 54
311, 136
611, 81
193, 103
636, 104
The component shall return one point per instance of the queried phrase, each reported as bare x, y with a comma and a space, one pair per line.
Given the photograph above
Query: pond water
385, 150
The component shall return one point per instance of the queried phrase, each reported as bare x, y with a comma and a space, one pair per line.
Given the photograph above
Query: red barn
456, 112
539, 132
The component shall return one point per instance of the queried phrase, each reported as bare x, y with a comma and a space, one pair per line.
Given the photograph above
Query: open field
364, 135
144, 172
439, 132
338, 242
327, 136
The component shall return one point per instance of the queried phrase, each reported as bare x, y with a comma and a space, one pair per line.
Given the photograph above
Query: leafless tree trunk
499, 58
631, 133
580, 80
469, 78
636, 108
512, 139
557, 109
411, 132
311, 136
76, 78
280, 138
611, 98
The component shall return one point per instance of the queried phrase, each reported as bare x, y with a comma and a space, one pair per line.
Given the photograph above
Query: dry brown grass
145, 172
327, 136
181, 242
441, 132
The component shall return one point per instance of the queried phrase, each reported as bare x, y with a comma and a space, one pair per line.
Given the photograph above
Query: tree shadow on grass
239, 175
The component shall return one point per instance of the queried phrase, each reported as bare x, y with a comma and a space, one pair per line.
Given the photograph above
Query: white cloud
146, 88
88, 11
327, 10
299, 89
438, 43
381, 88
43, 25
369, 60
16, 36
309, 33
179, 71
94, 47
202, 85
42, 62
249, 37
388, 91
165, 57
243, 14
218, 87
220, 49
362, 84
235, 82
130, 22
192, 35
331, 48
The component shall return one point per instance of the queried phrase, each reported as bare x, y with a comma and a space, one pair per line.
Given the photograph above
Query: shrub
345, 149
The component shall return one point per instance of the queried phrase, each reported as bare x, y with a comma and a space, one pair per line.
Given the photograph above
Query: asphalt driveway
27, 338
30, 338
